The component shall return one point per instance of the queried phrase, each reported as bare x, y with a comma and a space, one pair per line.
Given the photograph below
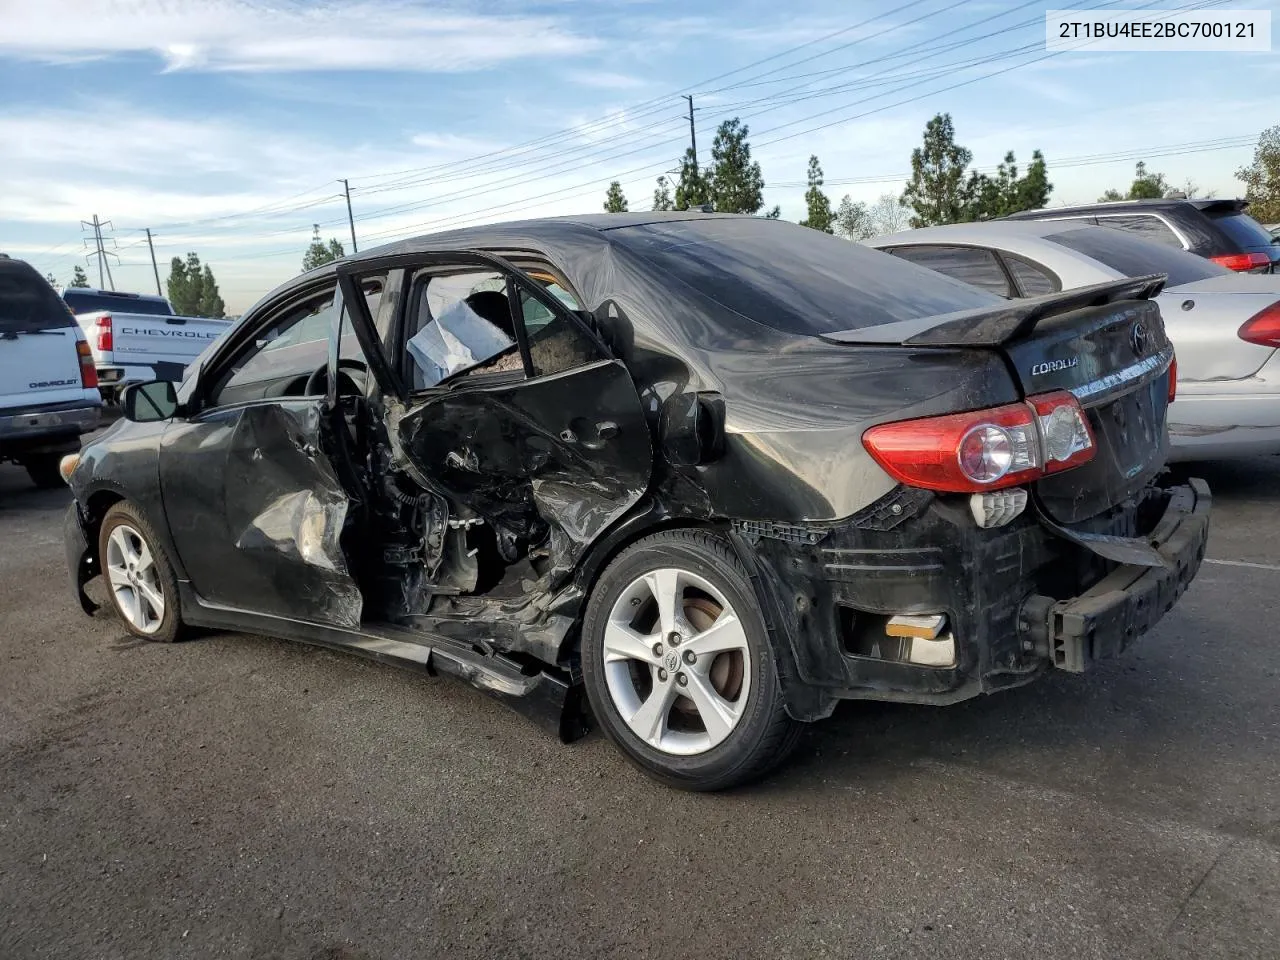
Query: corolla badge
1053, 366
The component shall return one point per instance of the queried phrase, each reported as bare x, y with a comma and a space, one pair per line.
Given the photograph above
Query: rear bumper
1104, 620
46, 429
1019, 600
1225, 425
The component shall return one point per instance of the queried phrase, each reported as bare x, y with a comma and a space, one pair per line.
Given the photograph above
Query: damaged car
699, 477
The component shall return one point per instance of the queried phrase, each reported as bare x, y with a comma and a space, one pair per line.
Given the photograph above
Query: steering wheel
316, 382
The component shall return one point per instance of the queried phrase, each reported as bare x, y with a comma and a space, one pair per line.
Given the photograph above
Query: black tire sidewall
43, 470
171, 623
721, 764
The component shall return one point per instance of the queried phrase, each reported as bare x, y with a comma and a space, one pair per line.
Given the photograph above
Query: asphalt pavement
244, 797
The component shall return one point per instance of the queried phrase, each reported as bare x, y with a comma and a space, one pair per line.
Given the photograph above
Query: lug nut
657, 649
674, 639
662, 675
690, 656
682, 679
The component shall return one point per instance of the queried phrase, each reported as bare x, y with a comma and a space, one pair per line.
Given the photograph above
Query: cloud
291, 35
605, 80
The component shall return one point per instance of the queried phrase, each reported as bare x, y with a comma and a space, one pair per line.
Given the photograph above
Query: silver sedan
1224, 326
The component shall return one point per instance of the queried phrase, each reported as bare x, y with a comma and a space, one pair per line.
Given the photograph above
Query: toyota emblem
1138, 339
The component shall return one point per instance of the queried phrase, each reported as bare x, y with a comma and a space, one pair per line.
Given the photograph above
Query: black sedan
716, 472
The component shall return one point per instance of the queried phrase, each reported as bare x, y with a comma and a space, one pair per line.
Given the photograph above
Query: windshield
27, 302
1244, 230
81, 301
1135, 257
793, 278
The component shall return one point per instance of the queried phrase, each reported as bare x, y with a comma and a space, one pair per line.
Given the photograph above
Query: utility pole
693, 134
99, 250
155, 268
350, 219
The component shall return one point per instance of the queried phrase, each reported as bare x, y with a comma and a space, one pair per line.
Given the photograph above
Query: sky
225, 126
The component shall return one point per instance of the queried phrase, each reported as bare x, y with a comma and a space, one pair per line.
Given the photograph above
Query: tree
662, 195
1147, 186
737, 186
692, 189
774, 214
939, 191
193, 292
853, 219
1006, 192
78, 277
1262, 178
1111, 196
53, 281
819, 206
615, 201
888, 215
318, 254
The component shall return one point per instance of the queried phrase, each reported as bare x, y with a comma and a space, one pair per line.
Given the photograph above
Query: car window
458, 322
1135, 257
1143, 225
349, 345
972, 265
1242, 229
1034, 280
792, 278
83, 301
293, 346
27, 302
556, 341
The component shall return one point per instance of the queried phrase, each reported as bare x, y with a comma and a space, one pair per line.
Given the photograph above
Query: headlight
67, 466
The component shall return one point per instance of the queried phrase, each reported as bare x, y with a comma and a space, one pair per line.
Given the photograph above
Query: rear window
1243, 229
793, 278
27, 302
1135, 257
85, 302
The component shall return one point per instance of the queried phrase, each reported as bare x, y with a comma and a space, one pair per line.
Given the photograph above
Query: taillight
1242, 262
88, 372
103, 326
985, 449
1262, 328
1173, 378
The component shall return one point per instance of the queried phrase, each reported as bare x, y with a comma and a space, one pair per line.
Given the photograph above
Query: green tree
940, 189
692, 189
1006, 192
193, 291
1111, 196
78, 277
1034, 188
53, 281
737, 186
1147, 186
318, 253
662, 195
820, 216
615, 201
774, 214
853, 220
1262, 178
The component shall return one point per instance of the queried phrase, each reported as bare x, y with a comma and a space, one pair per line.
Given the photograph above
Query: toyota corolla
698, 477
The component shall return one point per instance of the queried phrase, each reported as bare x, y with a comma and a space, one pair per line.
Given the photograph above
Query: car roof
984, 232
115, 293
1119, 206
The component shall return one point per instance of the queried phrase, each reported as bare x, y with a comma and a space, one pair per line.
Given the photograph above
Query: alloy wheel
134, 580
677, 663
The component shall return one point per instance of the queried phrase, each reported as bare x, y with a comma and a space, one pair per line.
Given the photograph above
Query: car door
512, 406
255, 506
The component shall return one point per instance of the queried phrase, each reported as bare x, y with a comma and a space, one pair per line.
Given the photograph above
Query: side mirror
691, 431
149, 402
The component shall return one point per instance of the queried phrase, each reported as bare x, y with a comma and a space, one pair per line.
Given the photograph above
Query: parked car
1225, 326
48, 388
136, 337
1219, 230
716, 472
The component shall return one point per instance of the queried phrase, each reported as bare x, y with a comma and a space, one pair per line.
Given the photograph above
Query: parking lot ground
244, 797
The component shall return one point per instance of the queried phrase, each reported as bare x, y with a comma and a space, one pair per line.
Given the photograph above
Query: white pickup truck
136, 337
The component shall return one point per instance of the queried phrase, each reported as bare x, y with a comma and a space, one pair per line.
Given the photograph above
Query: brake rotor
726, 669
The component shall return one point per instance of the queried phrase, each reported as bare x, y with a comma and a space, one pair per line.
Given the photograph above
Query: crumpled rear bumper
82, 561
1105, 619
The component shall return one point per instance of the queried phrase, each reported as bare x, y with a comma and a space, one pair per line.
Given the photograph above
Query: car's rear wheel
43, 470
139, 577
678, 666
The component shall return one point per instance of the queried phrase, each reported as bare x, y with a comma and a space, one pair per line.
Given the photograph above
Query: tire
129, 528
624, 670
43, 470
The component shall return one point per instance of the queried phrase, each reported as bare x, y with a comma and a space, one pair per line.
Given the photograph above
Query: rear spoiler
992, 326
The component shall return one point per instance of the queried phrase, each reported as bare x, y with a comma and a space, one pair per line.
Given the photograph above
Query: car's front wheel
678, 666
139, 577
